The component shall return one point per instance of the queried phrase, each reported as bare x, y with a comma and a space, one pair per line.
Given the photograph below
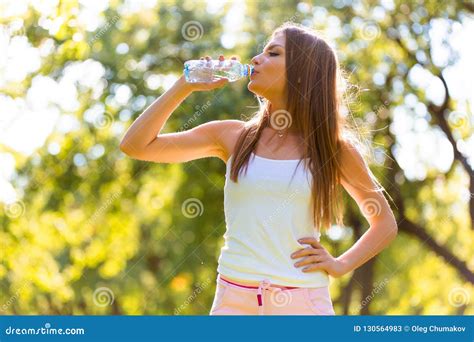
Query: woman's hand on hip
317, 258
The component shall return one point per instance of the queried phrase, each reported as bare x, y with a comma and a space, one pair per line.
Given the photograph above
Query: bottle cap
248, 70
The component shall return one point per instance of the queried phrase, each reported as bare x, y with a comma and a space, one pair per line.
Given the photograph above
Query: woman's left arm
383, 229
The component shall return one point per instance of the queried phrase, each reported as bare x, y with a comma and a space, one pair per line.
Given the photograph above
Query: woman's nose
255, 60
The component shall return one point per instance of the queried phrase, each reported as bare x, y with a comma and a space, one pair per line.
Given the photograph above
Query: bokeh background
88, 230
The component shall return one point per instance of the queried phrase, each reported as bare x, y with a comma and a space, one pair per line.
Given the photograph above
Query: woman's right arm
142, 140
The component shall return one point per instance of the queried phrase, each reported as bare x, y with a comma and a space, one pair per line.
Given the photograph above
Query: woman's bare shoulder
230, 132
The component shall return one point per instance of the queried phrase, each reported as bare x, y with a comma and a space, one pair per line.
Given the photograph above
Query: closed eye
273, 54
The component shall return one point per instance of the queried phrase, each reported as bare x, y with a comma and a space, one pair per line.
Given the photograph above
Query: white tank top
266, 212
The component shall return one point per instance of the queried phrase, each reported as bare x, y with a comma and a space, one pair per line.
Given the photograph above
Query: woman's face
269, 77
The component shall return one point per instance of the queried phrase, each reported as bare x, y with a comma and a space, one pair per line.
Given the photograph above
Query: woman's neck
281, 120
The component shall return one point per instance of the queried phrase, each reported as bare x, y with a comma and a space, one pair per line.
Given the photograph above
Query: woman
284, 168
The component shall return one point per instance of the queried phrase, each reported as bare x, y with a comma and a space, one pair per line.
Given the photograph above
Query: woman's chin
251, 86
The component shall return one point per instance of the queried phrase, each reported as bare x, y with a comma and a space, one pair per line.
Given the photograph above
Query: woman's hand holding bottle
216, 82
207, 74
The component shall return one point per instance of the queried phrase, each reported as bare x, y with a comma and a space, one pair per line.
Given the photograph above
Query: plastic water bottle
207, 70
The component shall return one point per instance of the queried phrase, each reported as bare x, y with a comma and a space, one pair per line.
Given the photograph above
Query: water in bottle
207, 70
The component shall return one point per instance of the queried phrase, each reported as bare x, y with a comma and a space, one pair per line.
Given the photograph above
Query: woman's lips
254, 74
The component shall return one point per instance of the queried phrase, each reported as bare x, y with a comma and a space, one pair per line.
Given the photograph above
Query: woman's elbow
126, 147
123, 146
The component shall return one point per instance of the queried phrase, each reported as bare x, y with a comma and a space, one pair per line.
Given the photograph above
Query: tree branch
421, 233
468, 6
406, 225
438, 112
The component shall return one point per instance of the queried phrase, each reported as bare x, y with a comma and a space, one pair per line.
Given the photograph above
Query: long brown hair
315, 97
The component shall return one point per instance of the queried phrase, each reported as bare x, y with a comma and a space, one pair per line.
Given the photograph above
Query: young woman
284, 170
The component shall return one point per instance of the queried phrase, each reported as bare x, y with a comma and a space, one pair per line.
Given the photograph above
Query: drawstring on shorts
263, 285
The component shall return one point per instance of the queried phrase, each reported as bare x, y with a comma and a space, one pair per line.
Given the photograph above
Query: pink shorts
235, 299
